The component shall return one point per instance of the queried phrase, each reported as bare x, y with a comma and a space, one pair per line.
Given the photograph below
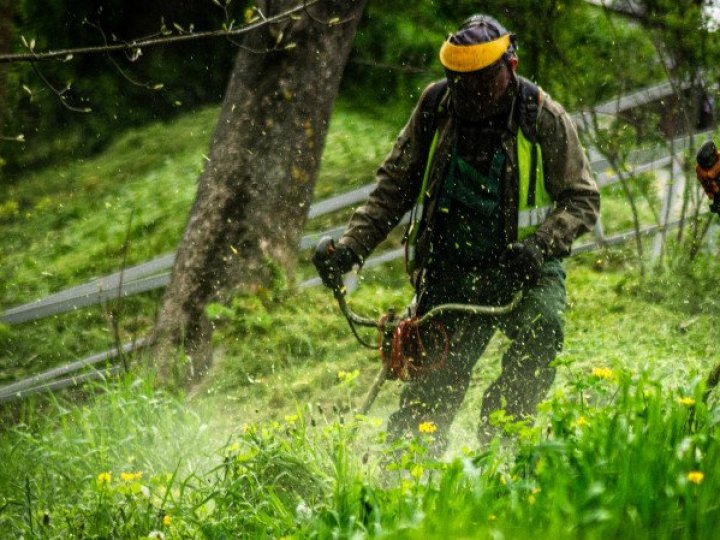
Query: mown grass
268, 445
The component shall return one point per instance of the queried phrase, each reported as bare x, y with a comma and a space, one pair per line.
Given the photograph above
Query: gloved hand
522, 262
333, 260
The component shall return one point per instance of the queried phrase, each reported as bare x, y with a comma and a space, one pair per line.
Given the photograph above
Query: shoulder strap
430, 109
531, 98
431, 106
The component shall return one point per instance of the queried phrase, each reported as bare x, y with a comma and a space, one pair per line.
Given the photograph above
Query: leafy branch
137, 45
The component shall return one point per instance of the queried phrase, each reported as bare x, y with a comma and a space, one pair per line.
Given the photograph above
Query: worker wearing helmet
499, 188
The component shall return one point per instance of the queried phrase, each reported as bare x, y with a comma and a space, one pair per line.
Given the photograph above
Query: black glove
522, 262
332, 261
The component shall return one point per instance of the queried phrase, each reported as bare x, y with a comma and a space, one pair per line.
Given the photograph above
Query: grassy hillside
64, 225
268, 445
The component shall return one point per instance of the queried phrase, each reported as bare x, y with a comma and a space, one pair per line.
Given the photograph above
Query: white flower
156, 535
303, 511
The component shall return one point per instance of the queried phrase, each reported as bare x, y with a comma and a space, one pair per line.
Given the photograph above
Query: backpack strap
431, 108
531, 102
430, 111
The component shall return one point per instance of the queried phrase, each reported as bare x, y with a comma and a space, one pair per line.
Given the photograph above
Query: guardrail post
672, 179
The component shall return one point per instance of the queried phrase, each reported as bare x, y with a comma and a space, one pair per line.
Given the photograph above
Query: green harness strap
415, 224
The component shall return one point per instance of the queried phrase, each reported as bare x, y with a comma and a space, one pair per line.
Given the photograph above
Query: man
484, 151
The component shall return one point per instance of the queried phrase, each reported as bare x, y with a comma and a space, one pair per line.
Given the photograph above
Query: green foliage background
191, 74
573, 54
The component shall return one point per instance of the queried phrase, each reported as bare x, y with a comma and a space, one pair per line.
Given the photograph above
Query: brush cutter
410, 346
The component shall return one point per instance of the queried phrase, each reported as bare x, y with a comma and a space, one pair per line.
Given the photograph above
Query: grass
268, 445
615, 454
68, 224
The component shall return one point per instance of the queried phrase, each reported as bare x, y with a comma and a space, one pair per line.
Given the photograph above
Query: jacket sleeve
399, 179
568, 180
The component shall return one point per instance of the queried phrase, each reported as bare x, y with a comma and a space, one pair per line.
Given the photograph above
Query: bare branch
153, 42
120, 70
59, 93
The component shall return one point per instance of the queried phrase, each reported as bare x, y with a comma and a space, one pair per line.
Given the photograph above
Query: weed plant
615, 454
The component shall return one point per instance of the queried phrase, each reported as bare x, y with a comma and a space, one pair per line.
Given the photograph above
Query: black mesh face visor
476, 85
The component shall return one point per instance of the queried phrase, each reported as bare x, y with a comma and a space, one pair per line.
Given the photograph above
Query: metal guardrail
626, 102
61, 384
37, 383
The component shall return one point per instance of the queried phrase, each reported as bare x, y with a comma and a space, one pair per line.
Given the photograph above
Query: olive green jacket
568, 180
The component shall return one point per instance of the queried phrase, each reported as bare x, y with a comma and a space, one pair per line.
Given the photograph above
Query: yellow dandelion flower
687, 401
603, 373
130, 477
104, 478
341, 375
167, 520
291, 418
581, 421
696, 477
427, 427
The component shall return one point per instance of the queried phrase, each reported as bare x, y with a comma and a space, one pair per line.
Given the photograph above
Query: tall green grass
616, 454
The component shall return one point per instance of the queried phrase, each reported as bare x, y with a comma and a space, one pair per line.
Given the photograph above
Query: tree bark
6, 20
255, 191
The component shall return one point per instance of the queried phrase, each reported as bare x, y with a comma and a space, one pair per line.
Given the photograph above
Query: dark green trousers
535, 328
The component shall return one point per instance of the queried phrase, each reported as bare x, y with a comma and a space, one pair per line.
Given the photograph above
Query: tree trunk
6, 15
255, 191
